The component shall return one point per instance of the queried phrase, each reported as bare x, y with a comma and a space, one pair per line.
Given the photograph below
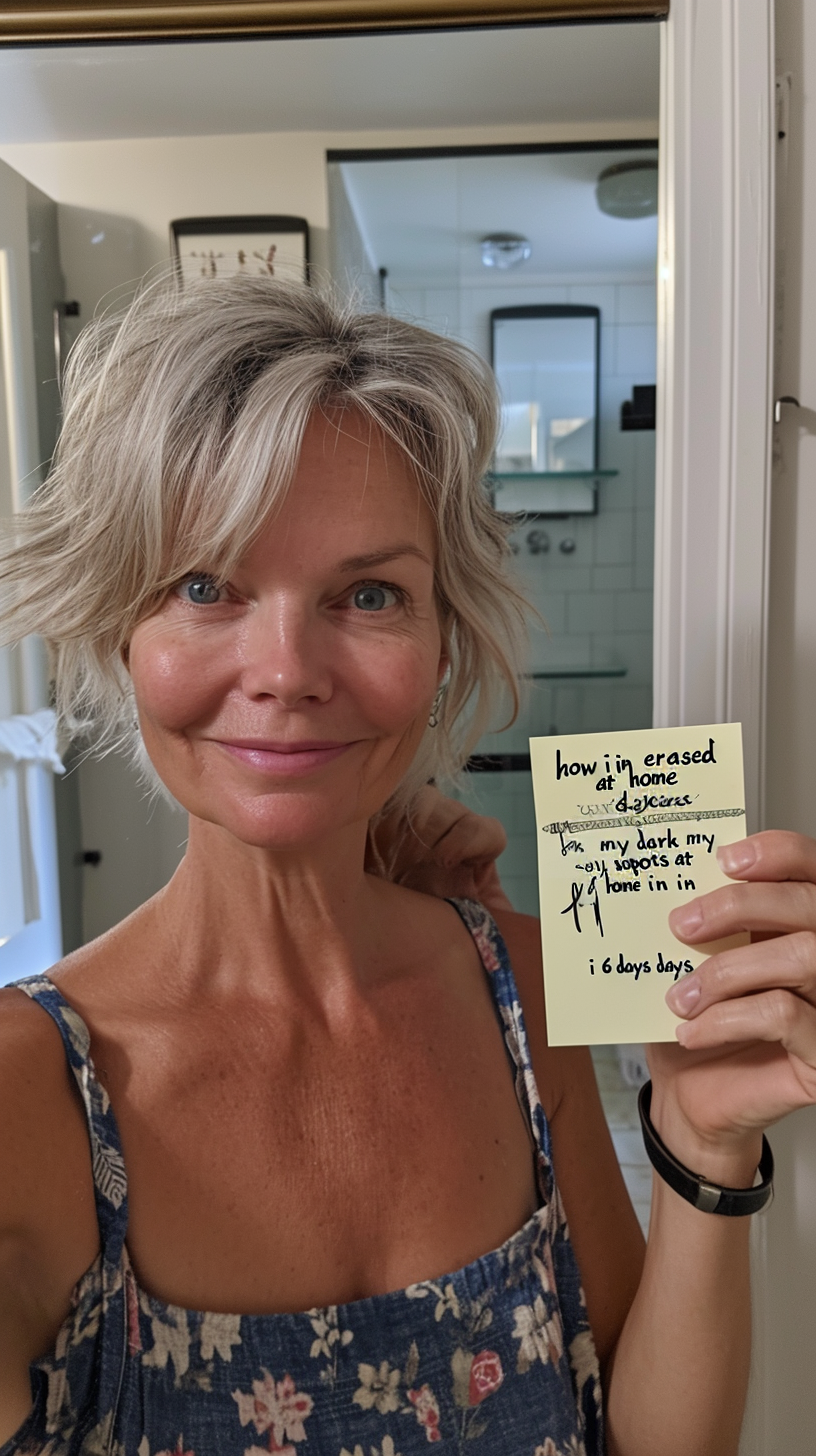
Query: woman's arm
48, 1232
747, 1056
672, 1332
676, 1375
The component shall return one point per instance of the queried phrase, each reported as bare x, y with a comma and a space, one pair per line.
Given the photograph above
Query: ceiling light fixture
505, 250
628, 189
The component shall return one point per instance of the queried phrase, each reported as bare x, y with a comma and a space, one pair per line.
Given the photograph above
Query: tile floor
620, 1105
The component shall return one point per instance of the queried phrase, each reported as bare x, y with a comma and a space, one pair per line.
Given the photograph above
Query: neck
265, 922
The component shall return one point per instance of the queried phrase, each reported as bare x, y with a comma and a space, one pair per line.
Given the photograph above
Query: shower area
543, 259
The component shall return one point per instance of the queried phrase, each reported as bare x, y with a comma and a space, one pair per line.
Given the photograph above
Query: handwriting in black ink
577, 904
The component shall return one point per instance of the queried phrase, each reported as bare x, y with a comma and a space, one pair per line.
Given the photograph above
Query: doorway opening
412, 232
415, 221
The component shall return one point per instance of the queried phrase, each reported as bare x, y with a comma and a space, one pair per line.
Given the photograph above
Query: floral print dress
495, 1359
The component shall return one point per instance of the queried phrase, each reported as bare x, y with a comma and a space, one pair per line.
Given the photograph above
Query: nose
285, 656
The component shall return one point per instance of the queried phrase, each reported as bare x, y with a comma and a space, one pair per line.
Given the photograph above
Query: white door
30, 938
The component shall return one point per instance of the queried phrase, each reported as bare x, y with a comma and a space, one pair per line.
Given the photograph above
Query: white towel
31, 738
26, 741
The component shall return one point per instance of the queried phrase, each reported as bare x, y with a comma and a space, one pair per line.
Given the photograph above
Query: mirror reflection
403, 154
505, 131
546, 360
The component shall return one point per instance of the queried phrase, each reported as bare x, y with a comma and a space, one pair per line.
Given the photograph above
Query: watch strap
701, 1192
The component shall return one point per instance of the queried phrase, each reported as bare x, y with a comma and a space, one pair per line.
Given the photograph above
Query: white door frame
715, 382
715, 296
39, 944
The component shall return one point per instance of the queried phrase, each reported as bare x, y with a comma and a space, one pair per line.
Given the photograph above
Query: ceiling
424, 218
540, 75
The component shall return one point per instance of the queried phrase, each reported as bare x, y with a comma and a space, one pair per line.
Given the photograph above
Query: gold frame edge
44, 24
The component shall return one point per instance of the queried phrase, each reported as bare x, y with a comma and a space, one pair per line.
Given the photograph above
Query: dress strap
495, 958
110, 1179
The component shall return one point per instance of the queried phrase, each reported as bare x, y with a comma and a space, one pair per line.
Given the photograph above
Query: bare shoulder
43, 1120
46, 1187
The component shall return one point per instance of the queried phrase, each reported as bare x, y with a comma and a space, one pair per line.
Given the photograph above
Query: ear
124, 653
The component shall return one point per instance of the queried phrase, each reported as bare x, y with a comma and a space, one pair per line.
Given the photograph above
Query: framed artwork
45, 21
220, 247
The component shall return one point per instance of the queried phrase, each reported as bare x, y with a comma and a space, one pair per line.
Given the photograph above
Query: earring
436, 706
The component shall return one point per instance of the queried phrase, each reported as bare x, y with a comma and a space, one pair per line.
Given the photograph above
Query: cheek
395, 685
175, 681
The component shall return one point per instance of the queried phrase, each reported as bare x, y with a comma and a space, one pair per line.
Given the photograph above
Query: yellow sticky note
628, 826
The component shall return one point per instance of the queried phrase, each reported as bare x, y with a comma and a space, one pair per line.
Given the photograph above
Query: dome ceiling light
628, 189
505, 250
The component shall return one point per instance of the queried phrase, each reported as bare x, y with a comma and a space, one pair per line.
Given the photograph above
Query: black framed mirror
546, 358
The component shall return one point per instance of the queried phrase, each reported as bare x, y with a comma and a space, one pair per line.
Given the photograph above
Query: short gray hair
183, 422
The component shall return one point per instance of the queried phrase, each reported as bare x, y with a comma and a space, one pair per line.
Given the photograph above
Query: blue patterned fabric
495, 1359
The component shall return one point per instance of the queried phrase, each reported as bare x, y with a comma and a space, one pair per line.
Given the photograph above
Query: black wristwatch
708, 1197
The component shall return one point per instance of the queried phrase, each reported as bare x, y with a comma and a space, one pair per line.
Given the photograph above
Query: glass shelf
570, 670
536, 494
553, 474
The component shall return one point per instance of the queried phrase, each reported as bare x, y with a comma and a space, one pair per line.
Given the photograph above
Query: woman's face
291, 701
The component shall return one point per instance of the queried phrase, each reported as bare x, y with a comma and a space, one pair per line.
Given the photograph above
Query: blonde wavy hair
183, 422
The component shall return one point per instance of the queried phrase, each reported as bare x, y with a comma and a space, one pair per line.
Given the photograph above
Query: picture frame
268, 246
44, 22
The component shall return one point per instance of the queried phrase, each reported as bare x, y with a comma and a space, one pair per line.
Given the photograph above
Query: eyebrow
377, 558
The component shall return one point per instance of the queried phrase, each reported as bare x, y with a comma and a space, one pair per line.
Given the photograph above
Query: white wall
130, 189
350, 262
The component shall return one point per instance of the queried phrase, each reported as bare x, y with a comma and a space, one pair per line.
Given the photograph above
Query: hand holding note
645, 876
628, 829
755, 1004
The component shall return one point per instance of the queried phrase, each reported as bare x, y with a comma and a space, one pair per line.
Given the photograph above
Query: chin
293, 815
285, 821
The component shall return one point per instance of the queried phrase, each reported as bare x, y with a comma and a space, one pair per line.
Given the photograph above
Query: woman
266, 539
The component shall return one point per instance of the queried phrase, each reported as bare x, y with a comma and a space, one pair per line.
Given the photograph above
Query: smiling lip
289, 759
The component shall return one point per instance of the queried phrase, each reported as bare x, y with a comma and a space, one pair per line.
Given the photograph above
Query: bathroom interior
563, 239
523, 222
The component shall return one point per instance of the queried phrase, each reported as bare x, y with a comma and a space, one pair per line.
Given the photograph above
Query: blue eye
201, 590
374, 598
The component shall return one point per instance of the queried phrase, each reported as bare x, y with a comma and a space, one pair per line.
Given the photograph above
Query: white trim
715, 380
714, 371
15, 414
39, 944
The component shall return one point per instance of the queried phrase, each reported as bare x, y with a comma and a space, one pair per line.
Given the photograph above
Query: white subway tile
634, 649
636, 303
597, 295
590, 611
612, 578
614, 539
634, 611
636, 352
632, 708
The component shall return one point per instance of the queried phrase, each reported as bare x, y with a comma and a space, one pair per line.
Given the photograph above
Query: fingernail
683, 997
686, 918
736, 857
